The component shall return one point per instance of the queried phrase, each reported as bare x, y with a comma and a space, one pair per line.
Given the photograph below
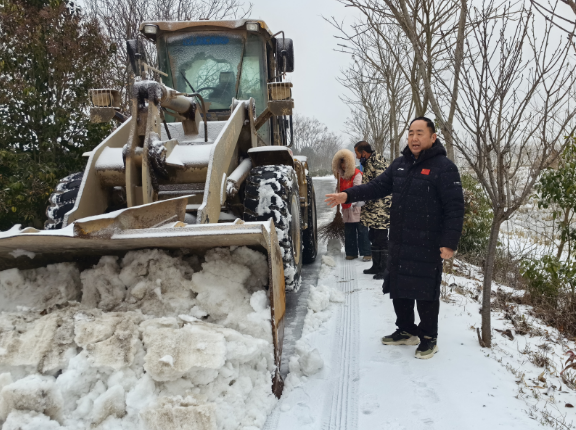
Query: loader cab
220, 60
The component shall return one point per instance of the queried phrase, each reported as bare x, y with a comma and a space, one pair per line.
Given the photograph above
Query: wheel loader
203, 161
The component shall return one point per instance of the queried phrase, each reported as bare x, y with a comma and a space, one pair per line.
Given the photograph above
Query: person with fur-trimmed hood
355, 233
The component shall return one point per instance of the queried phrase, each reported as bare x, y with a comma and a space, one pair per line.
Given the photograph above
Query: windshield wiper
189, 84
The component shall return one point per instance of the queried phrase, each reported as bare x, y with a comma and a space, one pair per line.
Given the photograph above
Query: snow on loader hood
152, 341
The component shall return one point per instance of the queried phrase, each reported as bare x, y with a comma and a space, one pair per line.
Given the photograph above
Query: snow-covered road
366, 385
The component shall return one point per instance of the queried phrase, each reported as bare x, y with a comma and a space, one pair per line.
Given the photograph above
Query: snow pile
319, 309
39, 289
304, 363
152, 341
328, 261
328, 264
320, 298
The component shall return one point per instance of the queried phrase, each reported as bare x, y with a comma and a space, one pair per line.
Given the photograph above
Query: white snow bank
152, 341
319, 309
39, 289
304, 363
328, 261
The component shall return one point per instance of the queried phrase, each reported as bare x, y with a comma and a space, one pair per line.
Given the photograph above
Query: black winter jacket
427, 213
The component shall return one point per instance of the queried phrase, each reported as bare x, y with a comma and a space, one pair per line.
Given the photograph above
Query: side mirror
284, 55
136, 55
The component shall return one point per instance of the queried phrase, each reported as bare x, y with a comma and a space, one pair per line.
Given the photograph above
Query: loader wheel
62, 200
310, 235
272, 193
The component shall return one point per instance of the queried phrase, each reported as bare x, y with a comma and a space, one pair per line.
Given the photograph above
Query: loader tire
272, 193
62, 200
310, 235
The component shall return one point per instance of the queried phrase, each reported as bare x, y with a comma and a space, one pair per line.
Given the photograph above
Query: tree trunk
458, 55
449, 140
565, 224
488, 273
393, 127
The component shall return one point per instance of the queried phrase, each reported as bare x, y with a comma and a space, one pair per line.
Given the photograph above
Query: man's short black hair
428, 122
363, 146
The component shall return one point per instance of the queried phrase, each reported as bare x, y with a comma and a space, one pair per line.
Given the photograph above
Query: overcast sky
317, 65
316, 91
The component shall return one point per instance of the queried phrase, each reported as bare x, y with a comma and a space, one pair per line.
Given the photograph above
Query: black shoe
400, 337
427, 348
376, 262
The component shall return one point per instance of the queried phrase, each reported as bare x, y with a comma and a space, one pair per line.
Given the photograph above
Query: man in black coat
426, 220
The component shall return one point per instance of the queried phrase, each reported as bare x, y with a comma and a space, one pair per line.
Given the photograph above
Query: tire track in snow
341, 404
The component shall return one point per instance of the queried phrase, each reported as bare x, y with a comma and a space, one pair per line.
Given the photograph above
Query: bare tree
517, 85
382, 100
551, 14
315, 141
369, 110
121, 20
435, 31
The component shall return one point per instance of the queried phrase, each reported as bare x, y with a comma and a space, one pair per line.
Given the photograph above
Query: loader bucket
156, 225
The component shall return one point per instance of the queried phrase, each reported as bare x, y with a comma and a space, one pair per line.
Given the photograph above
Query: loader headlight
151, 30
252, 26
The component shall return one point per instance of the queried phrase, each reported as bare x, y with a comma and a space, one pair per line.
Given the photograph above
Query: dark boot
383, 264
376, 262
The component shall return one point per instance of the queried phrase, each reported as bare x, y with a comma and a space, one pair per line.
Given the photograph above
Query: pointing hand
336, 199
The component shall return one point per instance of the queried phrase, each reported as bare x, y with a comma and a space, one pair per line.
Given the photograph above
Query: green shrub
477, 217
548, 277
51, 56
557, 191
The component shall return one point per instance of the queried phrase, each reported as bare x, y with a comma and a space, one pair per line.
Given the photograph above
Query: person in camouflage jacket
375, 213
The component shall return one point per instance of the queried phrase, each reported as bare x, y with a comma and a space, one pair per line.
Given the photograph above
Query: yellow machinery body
180, 179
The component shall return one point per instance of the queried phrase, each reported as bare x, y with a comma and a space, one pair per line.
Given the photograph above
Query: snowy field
122, 361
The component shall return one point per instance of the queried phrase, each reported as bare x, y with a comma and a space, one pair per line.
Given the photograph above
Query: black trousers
378, 237
428, 312
356, 239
